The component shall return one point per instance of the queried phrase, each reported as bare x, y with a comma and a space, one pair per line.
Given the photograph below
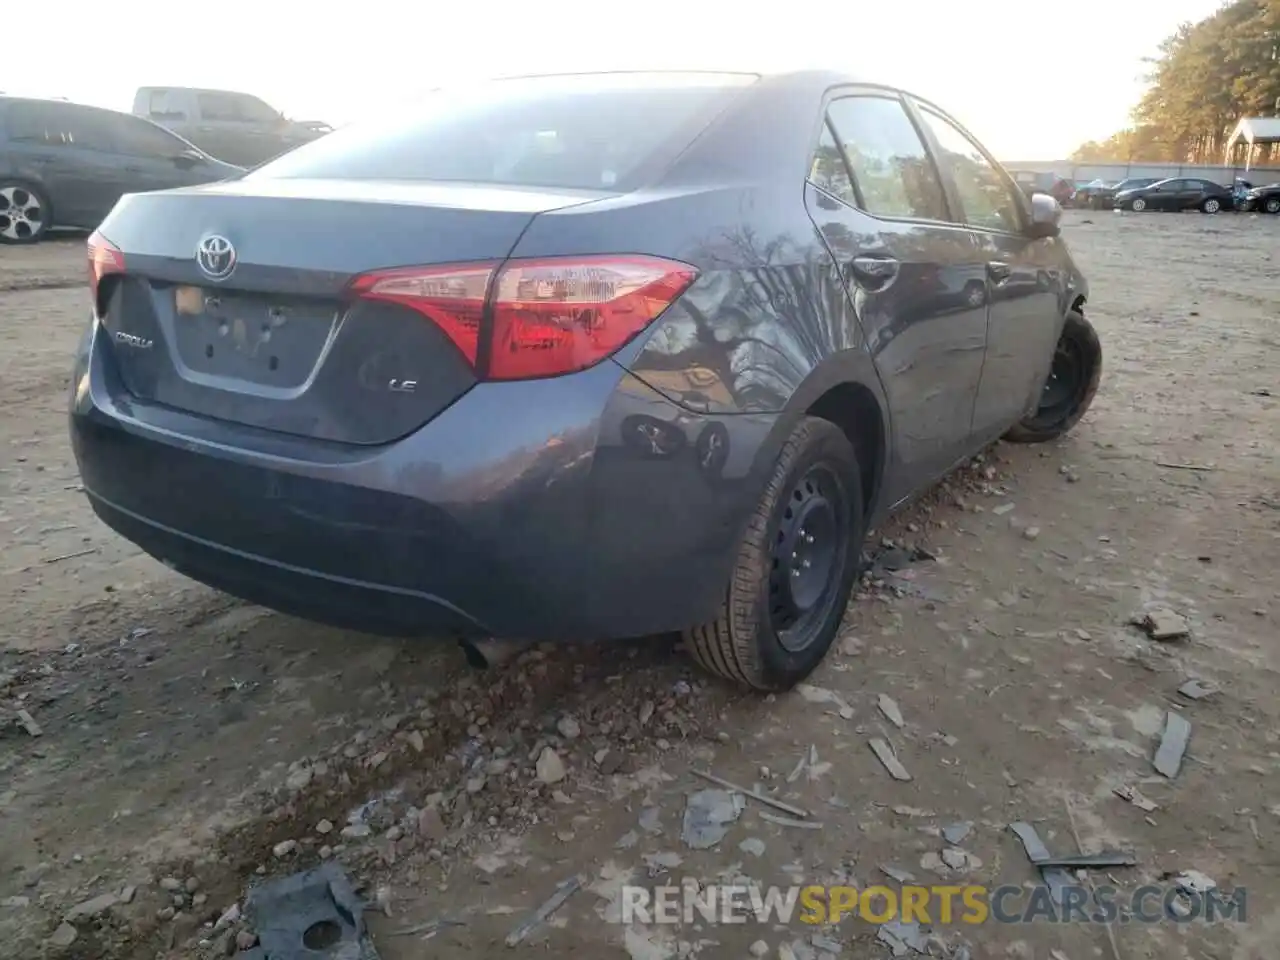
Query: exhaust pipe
483, 654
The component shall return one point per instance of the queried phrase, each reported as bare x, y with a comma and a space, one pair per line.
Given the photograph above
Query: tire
816, 487
1079, 352
1212, 205
1271, 205
25, 214
1138, 205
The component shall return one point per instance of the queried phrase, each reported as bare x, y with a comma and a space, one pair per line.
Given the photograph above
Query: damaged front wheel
1070, 387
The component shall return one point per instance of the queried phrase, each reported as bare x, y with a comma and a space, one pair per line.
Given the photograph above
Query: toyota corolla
576, 357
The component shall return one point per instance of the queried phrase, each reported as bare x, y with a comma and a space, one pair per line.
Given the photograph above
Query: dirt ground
190, 745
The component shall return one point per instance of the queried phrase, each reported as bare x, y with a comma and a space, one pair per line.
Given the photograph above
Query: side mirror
1046, 215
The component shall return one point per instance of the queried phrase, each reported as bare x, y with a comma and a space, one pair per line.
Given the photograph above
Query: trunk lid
275, 341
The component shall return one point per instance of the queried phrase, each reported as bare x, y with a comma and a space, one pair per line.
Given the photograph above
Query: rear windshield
584, 132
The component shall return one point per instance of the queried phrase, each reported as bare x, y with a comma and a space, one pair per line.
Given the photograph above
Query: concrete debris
569, 728
282, 911
889, 707
707, 816
550, 768
564, 891
1173, 745
903, 938
91, 908
897, 873
1162, 624
956, 832
1131, 794
752, 846
1197, 689
64, 936
885, 754
28, 723
1193, 881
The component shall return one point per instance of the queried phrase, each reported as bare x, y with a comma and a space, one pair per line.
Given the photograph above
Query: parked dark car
65, 165
1265, 198
233, 126
1174, 194
1088, 195
1103, 197
578, 357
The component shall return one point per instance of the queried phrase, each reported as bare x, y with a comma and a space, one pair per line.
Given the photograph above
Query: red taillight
104, 258
452, 297
556, 316
548, 317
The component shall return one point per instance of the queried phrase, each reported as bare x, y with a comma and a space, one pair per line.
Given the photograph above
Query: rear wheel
1071, 386
795, 568
25, 215
1212, 205
1272, 205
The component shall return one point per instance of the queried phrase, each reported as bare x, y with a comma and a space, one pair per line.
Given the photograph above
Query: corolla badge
216, 257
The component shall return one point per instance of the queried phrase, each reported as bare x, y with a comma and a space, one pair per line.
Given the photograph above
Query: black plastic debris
313, 915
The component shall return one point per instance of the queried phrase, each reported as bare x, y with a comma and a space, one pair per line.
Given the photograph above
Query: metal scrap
564, 891
1126, 792
1173, 744
788, 822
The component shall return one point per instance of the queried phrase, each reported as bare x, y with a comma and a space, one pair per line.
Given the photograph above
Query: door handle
999, 272
874, 273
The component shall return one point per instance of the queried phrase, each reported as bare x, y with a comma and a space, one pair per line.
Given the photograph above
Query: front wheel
795, 568
1138, 205
1071, 386
1212, 205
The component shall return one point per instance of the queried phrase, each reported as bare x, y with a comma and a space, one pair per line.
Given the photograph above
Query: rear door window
890, 165
55, 124
568, 132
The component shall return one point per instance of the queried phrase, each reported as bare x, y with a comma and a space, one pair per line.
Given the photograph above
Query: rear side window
571, 132
166, 105
60, 125
889, 163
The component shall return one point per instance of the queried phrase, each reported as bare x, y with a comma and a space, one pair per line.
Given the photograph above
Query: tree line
1207, 76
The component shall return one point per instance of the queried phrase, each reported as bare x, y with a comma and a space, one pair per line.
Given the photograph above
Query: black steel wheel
1070, 387
795, 568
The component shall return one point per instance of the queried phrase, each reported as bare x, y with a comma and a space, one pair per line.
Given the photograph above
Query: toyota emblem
216, 257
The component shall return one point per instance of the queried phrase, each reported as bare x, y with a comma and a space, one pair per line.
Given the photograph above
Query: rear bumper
584, 507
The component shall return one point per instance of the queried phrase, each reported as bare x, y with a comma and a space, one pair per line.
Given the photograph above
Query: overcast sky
1030, 79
